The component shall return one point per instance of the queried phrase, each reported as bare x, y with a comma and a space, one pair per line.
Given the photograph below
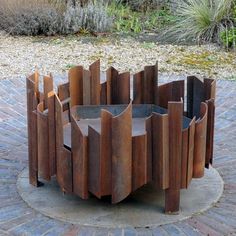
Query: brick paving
17, 218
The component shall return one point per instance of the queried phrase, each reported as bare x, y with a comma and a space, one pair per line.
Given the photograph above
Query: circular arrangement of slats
97, 140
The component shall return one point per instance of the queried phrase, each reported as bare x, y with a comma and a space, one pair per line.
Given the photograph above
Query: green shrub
125, 20
128, 20
228, 38
200, 20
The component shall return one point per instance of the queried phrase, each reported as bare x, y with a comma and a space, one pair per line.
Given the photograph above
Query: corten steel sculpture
95, 140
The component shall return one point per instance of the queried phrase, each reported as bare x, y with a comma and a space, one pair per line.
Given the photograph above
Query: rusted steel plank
198, 92
33, 164
47, 87
209, 88
63, 155
79, 149
190, 82
190, 151
123, 88
177, 91
76, 85
52, 133
164, 93
138, 87
34, 126
173, 91
200, 143
30, 95
64, 171
184, 159
156, 96
114, 86
148, 127
35, 79
139, 161
195, 95
122, 155
106, 152
43, 147
103, 96
108, 85
210, 93
94, 162
86, 87
64, 93
112, 75
95, 88
172, 194
32, 102
118, 87
210, 132
149, 84
172, 201
160, 141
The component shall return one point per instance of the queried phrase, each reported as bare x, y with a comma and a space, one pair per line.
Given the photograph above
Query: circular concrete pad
143, 208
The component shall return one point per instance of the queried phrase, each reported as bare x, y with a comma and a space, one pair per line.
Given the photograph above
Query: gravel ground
19, 56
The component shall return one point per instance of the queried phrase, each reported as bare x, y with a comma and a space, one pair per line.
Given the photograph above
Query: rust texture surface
97, 140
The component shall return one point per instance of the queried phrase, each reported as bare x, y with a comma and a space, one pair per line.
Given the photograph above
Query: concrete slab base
142, 209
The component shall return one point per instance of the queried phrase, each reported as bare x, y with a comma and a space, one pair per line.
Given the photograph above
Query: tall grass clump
201, 20
51, 17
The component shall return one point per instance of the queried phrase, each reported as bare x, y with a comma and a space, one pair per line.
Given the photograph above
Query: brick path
16, 218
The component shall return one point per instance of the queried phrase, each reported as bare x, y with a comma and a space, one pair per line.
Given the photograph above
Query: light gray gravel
19, 56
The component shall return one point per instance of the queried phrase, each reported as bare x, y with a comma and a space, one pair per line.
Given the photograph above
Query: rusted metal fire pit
96, 140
